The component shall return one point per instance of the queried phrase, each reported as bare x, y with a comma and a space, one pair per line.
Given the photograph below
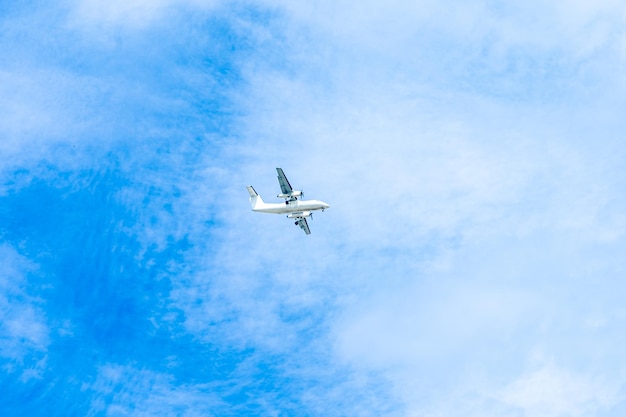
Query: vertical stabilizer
255, 199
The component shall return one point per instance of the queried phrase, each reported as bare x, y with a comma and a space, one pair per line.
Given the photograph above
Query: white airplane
294, 208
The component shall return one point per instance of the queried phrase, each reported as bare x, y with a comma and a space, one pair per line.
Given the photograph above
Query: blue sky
472, 262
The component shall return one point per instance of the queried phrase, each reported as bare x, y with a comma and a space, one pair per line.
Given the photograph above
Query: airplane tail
255, 199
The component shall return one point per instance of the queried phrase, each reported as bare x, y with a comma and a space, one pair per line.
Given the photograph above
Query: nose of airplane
325, 205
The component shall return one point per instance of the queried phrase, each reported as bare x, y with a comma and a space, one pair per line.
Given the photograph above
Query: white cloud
24, 333
125, 391
546, 391
553, 392
31, 104
51, 115
464, 220
131, 14
579, 26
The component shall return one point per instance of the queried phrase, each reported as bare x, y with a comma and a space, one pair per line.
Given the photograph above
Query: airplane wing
285, 187
304, 225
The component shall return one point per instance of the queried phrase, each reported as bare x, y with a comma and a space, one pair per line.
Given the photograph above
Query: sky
471, 263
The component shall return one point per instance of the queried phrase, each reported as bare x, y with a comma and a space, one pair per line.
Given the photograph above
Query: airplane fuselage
289, 207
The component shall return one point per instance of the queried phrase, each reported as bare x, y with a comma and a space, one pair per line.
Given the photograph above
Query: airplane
295, 208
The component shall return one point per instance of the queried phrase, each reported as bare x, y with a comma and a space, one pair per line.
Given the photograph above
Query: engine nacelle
291, 194
299, 215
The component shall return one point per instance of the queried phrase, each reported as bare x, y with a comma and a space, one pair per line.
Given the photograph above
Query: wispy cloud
132, 15
124, 390
24, 333
550, 391
468, 197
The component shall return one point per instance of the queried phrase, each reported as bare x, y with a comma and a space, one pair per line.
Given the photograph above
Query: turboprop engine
299, 215
291, 194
